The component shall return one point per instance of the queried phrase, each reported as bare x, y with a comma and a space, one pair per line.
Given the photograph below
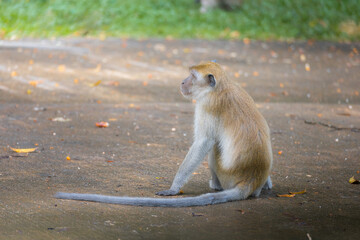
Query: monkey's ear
211, 80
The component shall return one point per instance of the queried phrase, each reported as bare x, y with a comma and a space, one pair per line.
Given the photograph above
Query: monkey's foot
268, 184
167, 193
215, 185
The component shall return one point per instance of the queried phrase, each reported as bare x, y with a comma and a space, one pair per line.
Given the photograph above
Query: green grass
334, 20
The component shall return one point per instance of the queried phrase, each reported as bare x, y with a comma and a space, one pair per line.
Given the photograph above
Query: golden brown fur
244, 124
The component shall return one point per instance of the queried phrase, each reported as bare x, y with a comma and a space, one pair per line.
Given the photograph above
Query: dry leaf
23, 150
68, 158
13, 74
241, 211
96, 84
280, 152
286, 195
98, 68
61, 68
102, 124
301, 192
33, 83
352, 180
61, 119
246, 41
307, 67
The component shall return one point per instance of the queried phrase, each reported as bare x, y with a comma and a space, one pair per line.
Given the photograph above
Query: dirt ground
52, 92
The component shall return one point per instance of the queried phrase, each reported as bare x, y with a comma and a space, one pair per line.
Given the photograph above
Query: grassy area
257, 19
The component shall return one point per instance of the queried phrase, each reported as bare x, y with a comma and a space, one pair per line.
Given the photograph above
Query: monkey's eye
211, 80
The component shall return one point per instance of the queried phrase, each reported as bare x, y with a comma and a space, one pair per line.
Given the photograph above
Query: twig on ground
353, 129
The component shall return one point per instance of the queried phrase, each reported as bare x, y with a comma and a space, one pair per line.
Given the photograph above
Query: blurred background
333, 20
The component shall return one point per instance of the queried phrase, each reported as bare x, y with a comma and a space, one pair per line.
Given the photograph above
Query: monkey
224, 4
230, 130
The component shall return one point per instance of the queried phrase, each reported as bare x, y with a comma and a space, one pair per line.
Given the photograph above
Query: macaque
230, 130
224, 4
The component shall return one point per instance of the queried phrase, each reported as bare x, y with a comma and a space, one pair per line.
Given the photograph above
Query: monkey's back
243, 149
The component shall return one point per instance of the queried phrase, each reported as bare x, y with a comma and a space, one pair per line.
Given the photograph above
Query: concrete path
53, 92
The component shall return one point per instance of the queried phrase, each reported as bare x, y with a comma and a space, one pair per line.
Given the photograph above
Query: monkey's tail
202, 200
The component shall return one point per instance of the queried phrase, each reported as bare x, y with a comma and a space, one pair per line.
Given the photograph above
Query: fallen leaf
352, 180
301, 192
33, 83
76, 81
61, 119
302, 57
246, 41
102, 124
181, 192
307, 67
31, 61
68, 158
255, 74
280, 152
61, 68
23, 150
285, 195
109, 161
13, 74
96, 84
28, 92
241, 211
344, 114
145, 83
98, 68
272, 94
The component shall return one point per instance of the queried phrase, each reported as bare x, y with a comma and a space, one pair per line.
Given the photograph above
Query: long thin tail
202, 200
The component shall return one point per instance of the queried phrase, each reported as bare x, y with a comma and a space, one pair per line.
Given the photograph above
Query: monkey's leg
214, 182
196, 154
268, 184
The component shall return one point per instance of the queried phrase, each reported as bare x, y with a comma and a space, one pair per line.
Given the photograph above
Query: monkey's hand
168, 193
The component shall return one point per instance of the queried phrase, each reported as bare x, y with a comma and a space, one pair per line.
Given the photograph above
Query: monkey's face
186, 86
197, 85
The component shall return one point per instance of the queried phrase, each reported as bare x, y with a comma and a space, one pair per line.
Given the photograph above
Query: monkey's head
203, 79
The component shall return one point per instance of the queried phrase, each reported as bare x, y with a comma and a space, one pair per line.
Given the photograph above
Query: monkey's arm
196, 154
